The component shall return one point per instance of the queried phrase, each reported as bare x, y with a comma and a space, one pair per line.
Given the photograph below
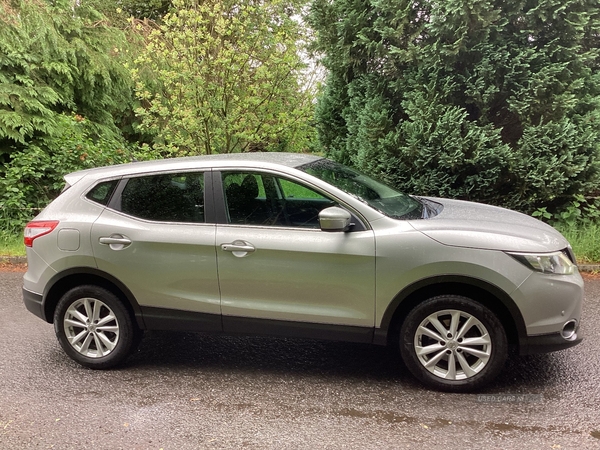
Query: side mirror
334, 219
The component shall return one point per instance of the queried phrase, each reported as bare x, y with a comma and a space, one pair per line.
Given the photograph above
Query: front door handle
238, 248
115, 241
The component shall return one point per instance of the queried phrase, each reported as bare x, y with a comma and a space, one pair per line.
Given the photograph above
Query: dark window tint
262, 199
165, 198
101, 192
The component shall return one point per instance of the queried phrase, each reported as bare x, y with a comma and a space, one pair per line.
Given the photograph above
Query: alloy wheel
91, 327
452, 344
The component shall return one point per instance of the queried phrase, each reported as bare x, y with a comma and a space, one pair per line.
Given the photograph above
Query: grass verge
11, 244
585, 240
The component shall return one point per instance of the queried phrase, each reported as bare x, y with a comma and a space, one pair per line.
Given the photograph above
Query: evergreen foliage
65, 96
119, 11
477, 99
222, 76
145, 9
53, 60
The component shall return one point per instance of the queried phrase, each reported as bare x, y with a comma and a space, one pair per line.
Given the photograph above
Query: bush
34, 174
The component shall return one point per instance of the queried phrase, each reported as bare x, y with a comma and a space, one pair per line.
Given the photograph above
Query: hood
475, 225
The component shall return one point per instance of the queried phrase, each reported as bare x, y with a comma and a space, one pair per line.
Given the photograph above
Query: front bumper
546, 343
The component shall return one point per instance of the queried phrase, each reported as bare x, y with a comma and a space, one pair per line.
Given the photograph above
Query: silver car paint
468, 224
298, 275
406, 256
78, 214
547, 302
466, 239
167, 265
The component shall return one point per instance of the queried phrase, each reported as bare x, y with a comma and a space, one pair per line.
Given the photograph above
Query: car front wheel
94, 327
453, 343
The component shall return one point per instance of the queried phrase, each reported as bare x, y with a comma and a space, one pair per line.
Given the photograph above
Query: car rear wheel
94, 327
453, 343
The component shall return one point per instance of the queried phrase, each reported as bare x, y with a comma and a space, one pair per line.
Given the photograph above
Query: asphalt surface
185, 391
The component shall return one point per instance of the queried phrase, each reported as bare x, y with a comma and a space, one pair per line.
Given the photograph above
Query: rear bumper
33, 303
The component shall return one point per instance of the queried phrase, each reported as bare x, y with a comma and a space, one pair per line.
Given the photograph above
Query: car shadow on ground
303, 357
161, 348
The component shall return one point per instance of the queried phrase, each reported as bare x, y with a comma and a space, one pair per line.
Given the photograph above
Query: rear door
154, 238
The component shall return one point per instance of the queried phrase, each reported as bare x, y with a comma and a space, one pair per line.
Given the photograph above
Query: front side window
264, 199
177, 197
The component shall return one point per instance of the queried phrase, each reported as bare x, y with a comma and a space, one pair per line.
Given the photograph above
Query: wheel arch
494, 298
68, 279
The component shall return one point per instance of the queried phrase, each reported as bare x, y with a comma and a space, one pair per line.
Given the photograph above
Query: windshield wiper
430, 208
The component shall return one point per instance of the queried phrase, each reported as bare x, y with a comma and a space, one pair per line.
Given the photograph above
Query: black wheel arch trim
97, 273
382, 333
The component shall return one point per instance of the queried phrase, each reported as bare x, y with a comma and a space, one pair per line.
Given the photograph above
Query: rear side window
102, 192
174, 197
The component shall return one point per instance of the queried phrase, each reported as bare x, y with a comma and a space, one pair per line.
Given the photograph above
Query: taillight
37, 228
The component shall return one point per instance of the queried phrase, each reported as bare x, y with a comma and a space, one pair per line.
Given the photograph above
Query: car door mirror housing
335, 219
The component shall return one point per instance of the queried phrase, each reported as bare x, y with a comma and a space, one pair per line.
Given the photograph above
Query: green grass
585, 240
11, 244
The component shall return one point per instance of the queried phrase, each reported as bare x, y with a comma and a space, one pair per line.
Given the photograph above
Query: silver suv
297, 245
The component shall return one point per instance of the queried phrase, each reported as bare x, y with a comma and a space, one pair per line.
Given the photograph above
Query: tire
453, 343
94, 328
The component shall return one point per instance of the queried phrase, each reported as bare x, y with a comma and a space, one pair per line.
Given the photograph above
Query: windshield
374, 193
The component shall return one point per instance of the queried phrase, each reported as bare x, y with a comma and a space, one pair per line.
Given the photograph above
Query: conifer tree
477, 99
56, 59
65, 97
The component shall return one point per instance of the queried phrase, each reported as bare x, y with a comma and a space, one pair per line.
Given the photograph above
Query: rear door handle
115, 241
238, 248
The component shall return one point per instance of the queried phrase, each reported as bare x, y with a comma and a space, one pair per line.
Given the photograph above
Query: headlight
557, 263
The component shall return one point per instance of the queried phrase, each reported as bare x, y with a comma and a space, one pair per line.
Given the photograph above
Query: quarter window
175, 197
102, 192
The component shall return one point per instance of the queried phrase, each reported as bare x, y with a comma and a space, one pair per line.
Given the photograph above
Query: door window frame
209, 207
220, 202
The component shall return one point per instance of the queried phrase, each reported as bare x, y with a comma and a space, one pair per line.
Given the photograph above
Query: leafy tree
119, 11
222, 76
477, 99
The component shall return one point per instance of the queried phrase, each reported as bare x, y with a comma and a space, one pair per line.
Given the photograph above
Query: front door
275, 263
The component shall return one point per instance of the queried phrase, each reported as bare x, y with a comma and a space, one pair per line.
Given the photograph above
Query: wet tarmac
186, 391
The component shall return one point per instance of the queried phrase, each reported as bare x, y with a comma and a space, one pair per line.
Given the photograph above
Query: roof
260, 159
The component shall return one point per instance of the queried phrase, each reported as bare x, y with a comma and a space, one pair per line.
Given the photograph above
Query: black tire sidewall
127, 330
483, 314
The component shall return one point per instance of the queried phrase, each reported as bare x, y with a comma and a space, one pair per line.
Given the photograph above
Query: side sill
178, 320
282, 328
